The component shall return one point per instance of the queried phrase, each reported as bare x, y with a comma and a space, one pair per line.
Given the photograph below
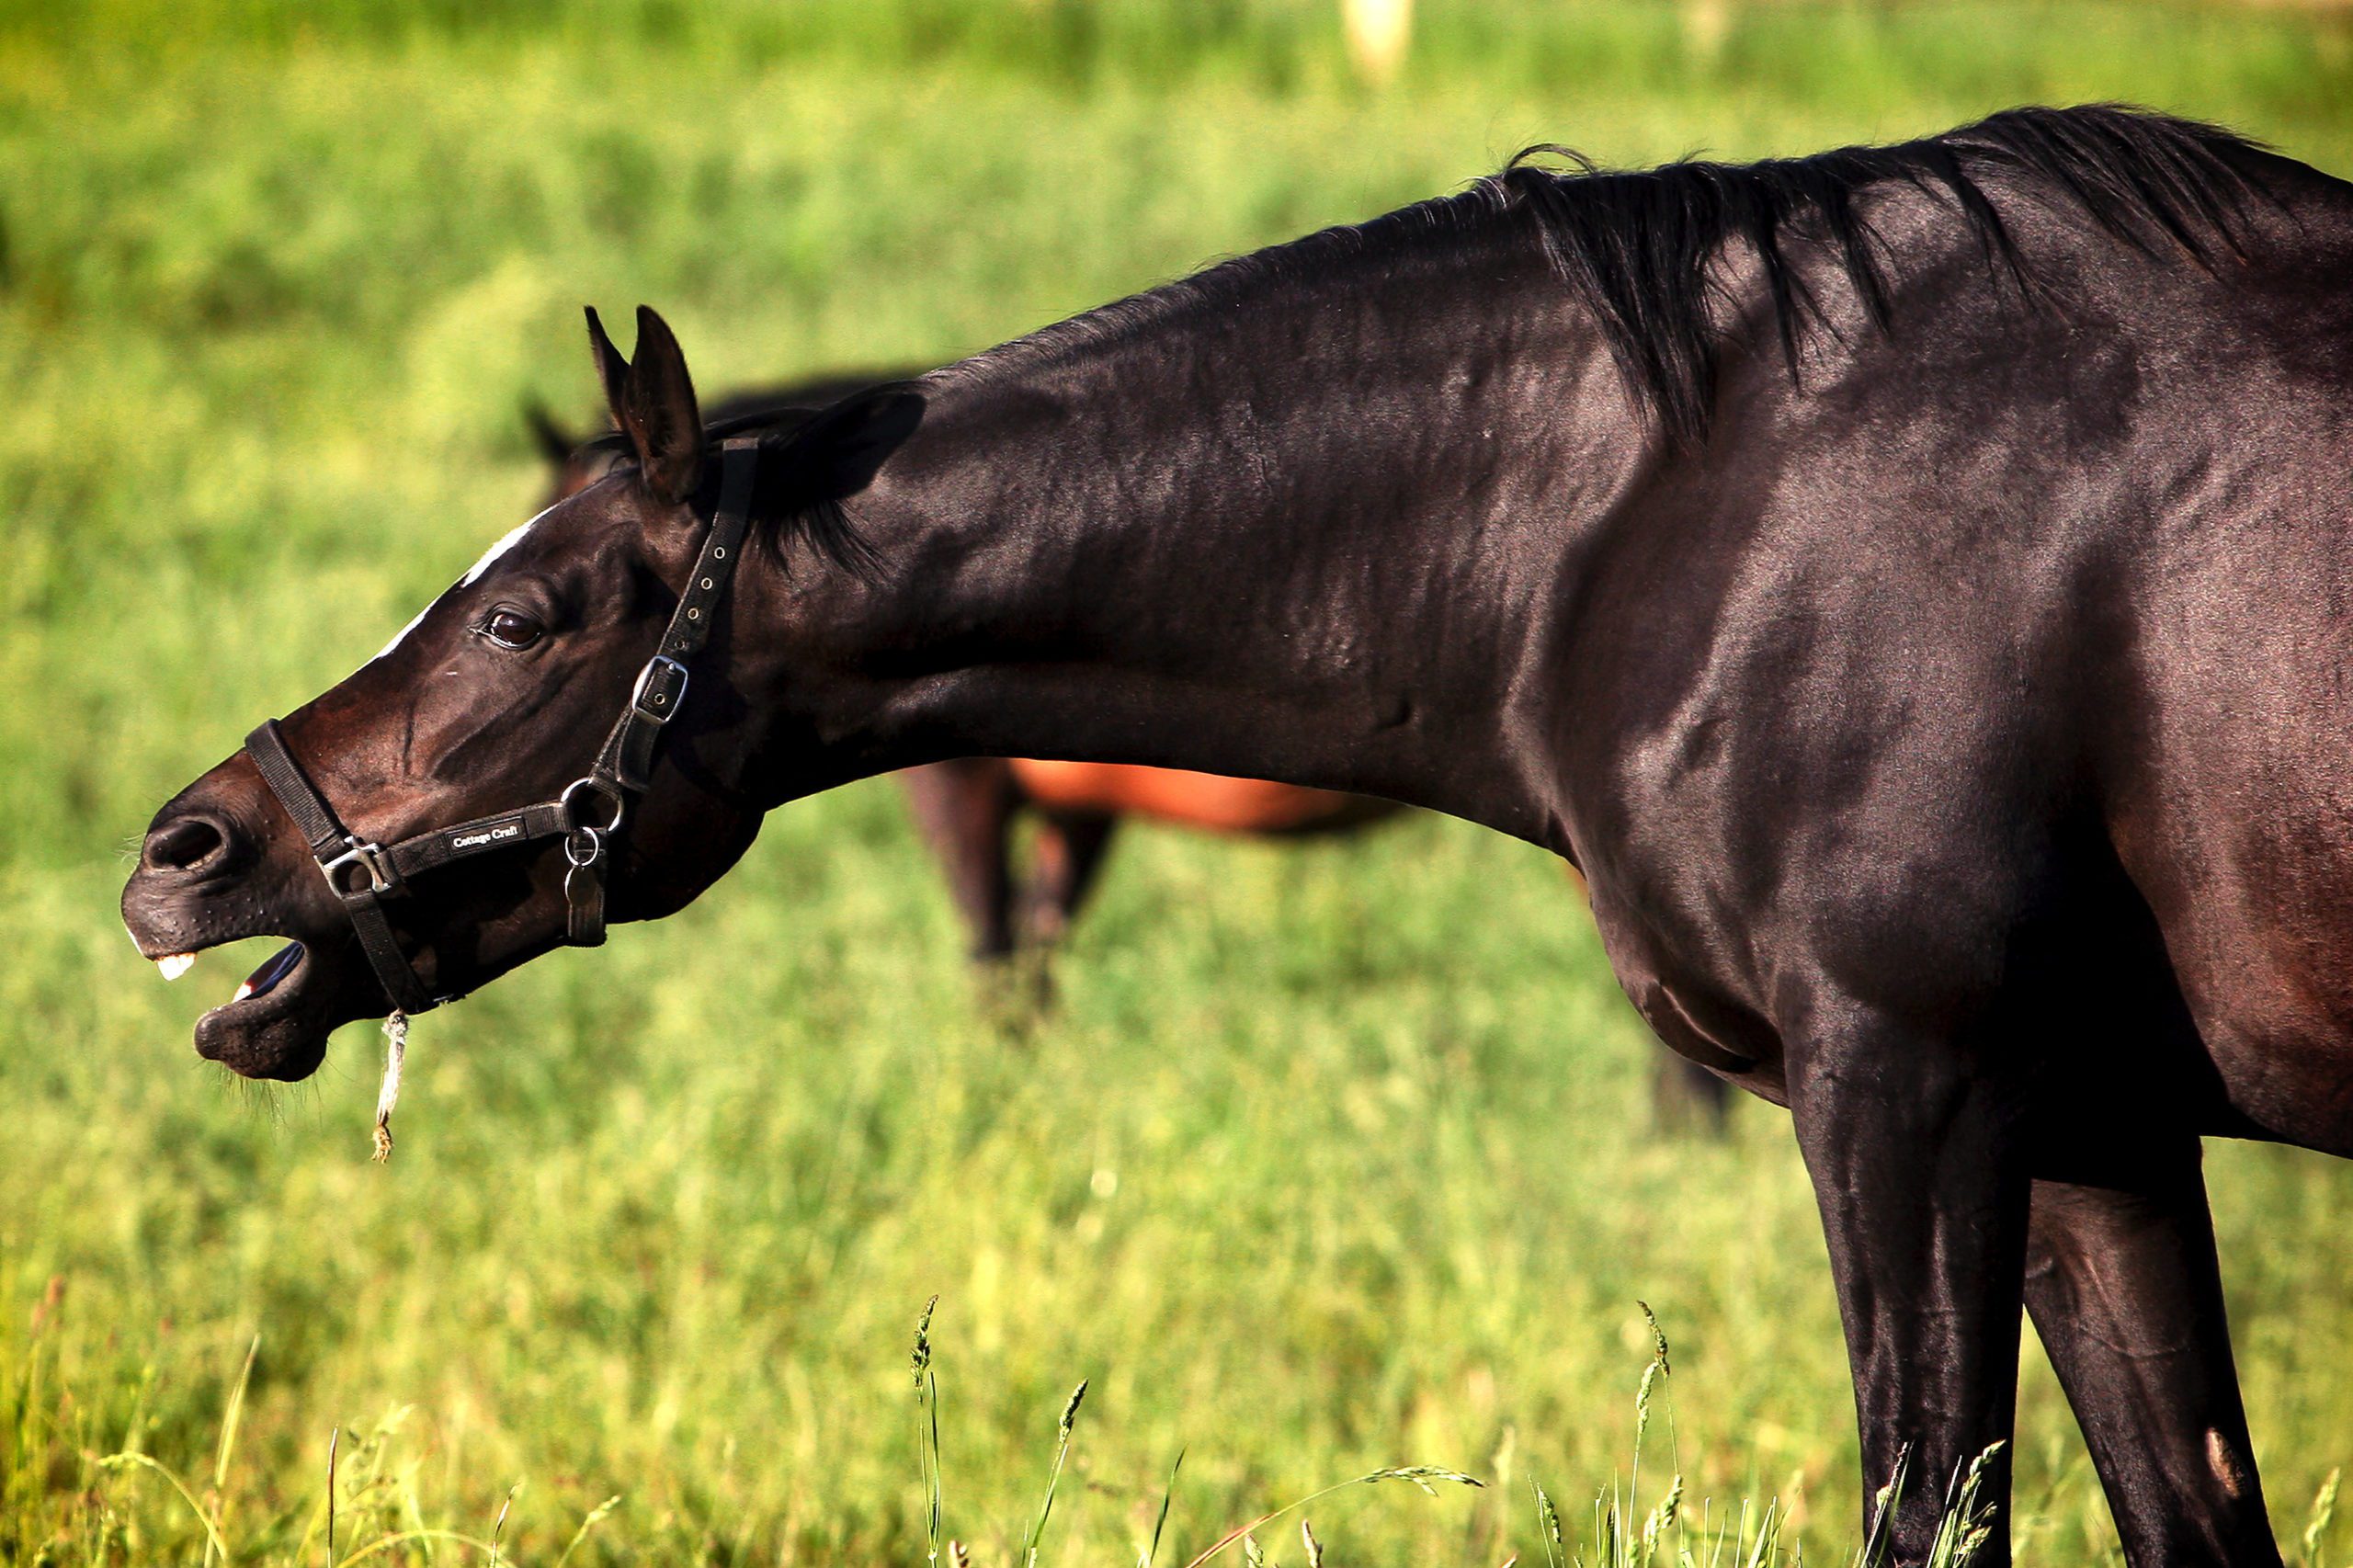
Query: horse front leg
2126, 1294
1686, 1097
1065, 859
963, 810
1917, 1157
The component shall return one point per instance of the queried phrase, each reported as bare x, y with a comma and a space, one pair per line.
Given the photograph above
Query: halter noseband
363, 874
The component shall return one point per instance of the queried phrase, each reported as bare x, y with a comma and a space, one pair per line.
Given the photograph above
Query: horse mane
1637, 246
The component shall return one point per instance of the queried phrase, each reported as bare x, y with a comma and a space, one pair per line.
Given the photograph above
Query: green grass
1334, 1158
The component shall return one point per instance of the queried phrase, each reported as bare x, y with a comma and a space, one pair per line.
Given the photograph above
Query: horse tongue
281, 964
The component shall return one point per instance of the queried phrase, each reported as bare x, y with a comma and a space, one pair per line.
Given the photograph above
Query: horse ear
612, 371
837, 454
659, 412
553, 443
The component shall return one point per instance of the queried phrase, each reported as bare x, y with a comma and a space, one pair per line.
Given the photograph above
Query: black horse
1914, 584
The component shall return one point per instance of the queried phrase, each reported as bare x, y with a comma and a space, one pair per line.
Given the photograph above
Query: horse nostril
186, 844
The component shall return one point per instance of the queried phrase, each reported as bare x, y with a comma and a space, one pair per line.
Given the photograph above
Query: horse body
1836, 712
1944, 711
2232, 804
1998, 661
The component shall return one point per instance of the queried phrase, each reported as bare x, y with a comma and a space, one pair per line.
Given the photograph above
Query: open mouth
272, 1026
279, 966
263, 980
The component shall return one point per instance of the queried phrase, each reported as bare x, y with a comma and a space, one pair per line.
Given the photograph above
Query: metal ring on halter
597, 786
580, 858
372, 864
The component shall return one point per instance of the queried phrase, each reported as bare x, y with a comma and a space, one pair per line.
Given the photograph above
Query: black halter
363, 874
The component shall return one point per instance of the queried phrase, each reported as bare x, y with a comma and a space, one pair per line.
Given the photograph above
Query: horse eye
510, 629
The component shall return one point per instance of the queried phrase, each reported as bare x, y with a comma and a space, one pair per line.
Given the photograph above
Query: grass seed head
1881, 1533
923, 1341
1662, 1518
2324, 1511
1549, 1518
1422, 1475
1658, 1336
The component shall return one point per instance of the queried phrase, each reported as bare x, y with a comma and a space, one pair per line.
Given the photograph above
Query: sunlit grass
372, 1492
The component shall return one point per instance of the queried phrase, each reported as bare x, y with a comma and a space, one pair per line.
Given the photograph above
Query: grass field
1331, 1158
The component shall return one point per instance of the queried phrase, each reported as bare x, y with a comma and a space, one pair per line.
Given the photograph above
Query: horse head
462, 765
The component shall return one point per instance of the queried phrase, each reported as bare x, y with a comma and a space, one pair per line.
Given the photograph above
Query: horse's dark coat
965, 808
1953, 733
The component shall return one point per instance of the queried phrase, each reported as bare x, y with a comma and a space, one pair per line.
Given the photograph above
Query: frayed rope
395, 1053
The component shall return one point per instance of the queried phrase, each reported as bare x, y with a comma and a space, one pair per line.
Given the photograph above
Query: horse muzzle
210, 873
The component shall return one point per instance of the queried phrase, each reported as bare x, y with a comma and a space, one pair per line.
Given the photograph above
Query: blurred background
1330, 1156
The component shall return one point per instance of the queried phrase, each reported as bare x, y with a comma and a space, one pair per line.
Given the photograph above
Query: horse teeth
245, 989
176, 964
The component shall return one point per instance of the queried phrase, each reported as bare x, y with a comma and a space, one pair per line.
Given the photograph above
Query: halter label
496, 833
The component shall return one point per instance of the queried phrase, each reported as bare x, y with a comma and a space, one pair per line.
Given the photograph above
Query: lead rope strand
395, 1053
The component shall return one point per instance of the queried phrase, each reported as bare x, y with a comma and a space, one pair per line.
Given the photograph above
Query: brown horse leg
2125, 1292
1686, 1097
1917, 1155
1067, 857
964, 812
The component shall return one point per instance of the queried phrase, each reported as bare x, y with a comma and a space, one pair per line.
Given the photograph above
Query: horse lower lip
281, 964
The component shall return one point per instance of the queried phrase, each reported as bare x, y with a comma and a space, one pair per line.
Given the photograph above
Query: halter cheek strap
589, 815
359, 872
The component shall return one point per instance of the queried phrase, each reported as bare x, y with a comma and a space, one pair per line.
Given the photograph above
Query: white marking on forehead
402, 635
489, 558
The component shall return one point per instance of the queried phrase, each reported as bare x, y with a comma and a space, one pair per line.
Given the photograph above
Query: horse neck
1301, 539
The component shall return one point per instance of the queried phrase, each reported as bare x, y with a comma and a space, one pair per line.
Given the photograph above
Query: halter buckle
368, 858
661, 687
